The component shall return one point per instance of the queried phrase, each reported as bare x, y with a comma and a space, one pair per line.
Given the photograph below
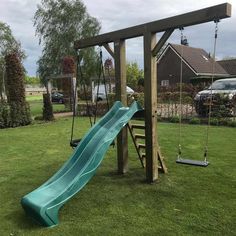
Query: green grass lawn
34, 97
186, 201
36, 107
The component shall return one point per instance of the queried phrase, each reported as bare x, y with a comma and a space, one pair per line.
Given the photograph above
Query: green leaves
58, 24
8, 45
18, 108
133, 74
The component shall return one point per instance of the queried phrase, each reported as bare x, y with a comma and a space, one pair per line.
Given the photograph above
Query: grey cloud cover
118, 14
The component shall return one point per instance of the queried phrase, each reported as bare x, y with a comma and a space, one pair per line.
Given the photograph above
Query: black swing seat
192, 162
74, 143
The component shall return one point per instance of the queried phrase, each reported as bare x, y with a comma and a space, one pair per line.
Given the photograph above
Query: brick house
229, 66
197, 65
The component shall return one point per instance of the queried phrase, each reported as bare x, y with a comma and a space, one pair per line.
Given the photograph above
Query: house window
165, 83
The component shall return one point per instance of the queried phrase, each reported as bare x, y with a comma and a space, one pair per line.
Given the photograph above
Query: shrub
139, 97
222, 106
232, 123
159, 118
195, 121
214, 121
40, 118
19, 114
19, 108
4, 115
174, 119
224, 121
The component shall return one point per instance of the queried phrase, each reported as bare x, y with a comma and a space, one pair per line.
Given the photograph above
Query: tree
68, 67
58, 24
19, 108
133, 74
31, 80
8, 45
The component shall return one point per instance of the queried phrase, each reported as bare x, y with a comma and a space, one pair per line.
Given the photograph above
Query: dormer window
205, 58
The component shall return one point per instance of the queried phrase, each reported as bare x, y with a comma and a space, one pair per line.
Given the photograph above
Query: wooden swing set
151, 48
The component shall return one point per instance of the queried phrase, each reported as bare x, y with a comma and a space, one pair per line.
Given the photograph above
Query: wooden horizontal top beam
192, 18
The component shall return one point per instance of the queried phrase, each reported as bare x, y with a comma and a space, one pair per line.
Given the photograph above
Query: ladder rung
142, 136
138, 126
141, 145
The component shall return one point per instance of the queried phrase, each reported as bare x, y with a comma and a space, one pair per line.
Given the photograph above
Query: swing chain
205, 154
180, 95
211, 95
216, 27
101, 74
179, 152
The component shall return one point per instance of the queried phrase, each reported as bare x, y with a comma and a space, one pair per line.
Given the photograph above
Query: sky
118, 14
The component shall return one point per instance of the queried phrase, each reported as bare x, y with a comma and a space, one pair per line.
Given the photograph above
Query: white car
102, 93
223, 87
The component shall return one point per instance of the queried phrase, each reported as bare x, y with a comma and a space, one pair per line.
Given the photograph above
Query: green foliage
8, 45
58, 24
14, 78
232, 123
4, 114
195, 121
139, 97
221, 106
13, 115
224, 121
19, 108
134, 74
174, 119
214, 121
19, 114
31, 80
174, 97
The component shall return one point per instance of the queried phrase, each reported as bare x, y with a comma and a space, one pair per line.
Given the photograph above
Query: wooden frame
151, 48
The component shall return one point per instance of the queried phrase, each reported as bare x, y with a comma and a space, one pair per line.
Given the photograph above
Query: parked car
102, 93
57, 97
220, 89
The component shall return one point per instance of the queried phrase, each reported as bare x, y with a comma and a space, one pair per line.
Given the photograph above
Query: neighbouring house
229, 66
196, 66
30, 90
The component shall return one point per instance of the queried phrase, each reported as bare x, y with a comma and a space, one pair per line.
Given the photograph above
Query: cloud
18, 14
118, 14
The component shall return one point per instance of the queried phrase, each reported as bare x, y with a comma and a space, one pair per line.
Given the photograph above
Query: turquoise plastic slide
44, 202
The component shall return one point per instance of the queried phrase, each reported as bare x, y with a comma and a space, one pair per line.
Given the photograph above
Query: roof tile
198, 59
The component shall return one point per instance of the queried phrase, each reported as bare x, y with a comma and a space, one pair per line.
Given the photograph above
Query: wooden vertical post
150, 91
120, 75
75, 94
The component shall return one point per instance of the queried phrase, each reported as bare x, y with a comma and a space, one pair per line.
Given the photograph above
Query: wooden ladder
140, 147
